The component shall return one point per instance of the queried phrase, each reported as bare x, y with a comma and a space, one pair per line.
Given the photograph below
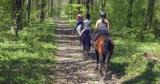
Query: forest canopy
135, 19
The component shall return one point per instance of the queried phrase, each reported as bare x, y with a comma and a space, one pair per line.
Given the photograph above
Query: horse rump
85, 39
102, 50
79, 29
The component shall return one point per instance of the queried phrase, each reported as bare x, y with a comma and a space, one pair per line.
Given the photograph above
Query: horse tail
111, 47
106, 46
83, 36
85, 39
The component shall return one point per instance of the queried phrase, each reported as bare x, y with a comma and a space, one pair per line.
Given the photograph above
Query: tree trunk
148, 23
103, 5
71, 1
79, 2
87, 6
130, 13
150, 14
42, 15
51, 12
28, 10
14, 29
19, 14
92, 2
48, 4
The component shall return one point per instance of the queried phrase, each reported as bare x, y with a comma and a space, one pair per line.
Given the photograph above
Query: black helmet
102, 14
88, 16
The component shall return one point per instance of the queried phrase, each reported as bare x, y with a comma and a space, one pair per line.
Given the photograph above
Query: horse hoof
96, 69
101, 72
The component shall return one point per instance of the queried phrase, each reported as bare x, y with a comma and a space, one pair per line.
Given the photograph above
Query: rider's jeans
78, 23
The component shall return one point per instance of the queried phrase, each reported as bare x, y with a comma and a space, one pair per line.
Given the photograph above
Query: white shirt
87, 24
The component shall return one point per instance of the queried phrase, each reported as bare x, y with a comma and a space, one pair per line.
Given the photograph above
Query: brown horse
103, 50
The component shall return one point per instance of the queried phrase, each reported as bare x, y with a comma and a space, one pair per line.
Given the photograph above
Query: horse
85, 39
103, 50
78, 31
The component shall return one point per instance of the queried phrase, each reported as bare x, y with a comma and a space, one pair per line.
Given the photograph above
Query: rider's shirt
80, 18
102, 26
87, 24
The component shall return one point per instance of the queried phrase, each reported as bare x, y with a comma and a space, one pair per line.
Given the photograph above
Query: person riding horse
102, 26
87, 23
85, 33
79, 20
103, 42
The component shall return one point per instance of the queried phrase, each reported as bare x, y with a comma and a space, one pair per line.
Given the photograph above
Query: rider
85, 33
79, 20
102, 26
87, 23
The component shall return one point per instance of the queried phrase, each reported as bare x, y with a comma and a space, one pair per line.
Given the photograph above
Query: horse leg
87, 45
108, 61
101, 65
83, 44
101, 60
111, 48
88, 40
104, 58
97, 58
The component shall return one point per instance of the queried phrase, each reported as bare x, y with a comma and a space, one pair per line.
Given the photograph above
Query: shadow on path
72, 66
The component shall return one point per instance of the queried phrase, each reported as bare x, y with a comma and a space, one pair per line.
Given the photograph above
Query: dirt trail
72, 67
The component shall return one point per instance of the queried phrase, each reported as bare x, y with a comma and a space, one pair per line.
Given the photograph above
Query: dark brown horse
103, 50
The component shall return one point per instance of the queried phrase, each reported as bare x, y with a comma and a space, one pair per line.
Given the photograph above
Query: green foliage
117, 13
72, 10
5, 12
134, 33
130, 63
30, 59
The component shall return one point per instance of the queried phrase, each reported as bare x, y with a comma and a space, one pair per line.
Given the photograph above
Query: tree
130, 11
148, 23
19, 14
87, 6
28, 9
79, 1
16, 15
103, 5
14, 27
42, 14
51, 12
150, 14
71, 1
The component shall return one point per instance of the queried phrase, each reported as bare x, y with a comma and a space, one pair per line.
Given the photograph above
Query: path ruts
72, 67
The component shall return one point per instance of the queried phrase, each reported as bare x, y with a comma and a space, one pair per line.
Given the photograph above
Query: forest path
72, 66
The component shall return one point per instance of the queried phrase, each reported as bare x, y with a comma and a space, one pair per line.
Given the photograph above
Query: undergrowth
28, 59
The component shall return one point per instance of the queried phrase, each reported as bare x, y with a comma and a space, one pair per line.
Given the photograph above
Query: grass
30, 58
130, 60
129, 63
